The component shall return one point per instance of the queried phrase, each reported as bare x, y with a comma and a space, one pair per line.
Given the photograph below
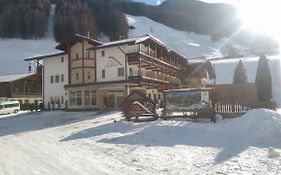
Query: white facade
111, 62
55, 76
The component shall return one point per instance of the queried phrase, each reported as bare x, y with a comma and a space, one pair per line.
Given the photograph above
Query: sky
157, 2
151, 2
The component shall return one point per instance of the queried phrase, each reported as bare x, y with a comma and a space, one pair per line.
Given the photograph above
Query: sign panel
187, 100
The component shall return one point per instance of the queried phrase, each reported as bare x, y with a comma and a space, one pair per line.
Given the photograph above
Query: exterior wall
5, 90
96, 98
54, 66
28, 89
232, 93
83, 65
113, 59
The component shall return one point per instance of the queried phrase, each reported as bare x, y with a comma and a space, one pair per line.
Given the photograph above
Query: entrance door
111, 101
119, 101
115, 101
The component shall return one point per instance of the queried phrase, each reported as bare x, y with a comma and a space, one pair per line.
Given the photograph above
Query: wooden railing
230, 108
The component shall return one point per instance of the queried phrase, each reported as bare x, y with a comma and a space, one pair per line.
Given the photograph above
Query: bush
31, 106
49, 106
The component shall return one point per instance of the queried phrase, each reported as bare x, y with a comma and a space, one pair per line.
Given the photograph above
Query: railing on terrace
230, 108
26, 94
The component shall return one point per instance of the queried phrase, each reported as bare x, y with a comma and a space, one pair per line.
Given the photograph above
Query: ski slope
14, 51
189, 44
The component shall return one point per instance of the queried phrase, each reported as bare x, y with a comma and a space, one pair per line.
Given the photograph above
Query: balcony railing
25, 94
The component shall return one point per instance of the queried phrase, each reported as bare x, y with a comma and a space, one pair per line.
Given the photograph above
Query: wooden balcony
26, 95
153, 82
152, 63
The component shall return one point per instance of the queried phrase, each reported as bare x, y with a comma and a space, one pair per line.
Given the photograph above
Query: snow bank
259, 127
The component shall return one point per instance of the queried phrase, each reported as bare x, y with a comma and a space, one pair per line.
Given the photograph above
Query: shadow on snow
32, 121
157, 133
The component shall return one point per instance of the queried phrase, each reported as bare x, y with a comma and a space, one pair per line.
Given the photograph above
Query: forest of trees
23, 18
29, 18
73, 17
89, 16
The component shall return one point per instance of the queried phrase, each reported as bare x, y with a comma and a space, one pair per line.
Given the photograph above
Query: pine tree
263, 80
240, 75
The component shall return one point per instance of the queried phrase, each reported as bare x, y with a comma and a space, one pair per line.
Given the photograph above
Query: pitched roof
194, 67
74, 39
40, 57
10, 78
134, 40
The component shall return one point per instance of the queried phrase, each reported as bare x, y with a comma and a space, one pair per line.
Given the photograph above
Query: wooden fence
230, 108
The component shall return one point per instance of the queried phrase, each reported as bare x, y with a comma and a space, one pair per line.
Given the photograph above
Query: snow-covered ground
58, 143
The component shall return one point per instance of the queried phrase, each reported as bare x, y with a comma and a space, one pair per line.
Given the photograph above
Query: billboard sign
186, 100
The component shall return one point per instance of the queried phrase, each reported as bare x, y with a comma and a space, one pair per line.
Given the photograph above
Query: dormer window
102, 53
76, 56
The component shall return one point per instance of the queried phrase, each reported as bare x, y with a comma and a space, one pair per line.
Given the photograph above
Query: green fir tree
264, 80
240, 75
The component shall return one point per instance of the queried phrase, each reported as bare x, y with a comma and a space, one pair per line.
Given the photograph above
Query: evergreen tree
263, 80
240, 75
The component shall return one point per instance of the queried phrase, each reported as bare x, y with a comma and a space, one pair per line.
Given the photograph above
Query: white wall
109, 64
54, 66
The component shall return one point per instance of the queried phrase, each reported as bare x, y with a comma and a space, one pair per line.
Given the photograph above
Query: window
88, 54
72, 97
93, 98
89, 75
131, 71
103, 73
78, 98
62, 78
52, 79
62, 59
57, 78
77, 76
102, 53
87, 97
77, 56
121, 72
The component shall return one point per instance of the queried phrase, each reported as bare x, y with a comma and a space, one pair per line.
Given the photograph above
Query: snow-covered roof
40, 57
13, 77
74, 39
134, 40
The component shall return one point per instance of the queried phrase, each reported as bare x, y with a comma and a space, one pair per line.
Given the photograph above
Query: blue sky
151, 2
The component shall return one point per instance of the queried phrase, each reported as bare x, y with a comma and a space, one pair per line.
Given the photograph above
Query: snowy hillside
189, 44
14, 51
55, 143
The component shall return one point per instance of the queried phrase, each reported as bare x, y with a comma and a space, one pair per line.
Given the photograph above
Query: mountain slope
14, 51
189, 44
